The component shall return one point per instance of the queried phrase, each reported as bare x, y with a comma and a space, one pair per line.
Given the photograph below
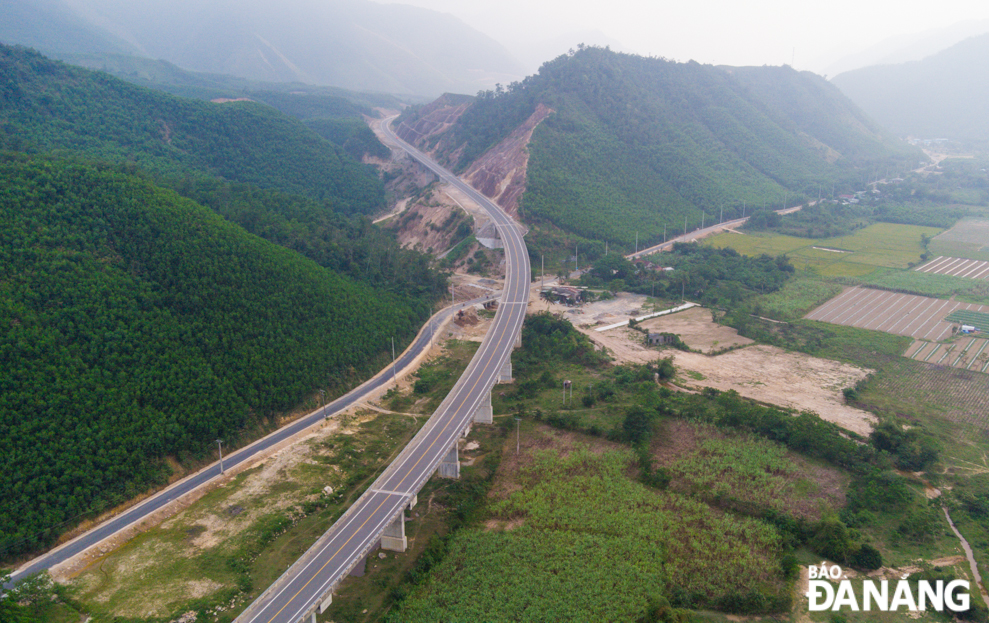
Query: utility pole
722, 220
664, 233
702, 218
219, 445
453, 294
542, 274
636, 242
575, 269
393, 372
743, 209
322, 399
684, 225
517, 420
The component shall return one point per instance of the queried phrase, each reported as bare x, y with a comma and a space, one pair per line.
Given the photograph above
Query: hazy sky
813, 33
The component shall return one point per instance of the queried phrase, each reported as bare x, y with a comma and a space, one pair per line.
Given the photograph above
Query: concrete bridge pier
484, 414
518, 340
393, 538
450, 467
505, 375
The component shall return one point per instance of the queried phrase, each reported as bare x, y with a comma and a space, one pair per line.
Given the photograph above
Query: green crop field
979, 320
967, 239
796, 298
936, 286
883, 245
594, 542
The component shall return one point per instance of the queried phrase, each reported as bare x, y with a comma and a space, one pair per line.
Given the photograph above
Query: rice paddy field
878, 246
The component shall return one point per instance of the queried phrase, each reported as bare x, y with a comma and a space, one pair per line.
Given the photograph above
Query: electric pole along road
306, 587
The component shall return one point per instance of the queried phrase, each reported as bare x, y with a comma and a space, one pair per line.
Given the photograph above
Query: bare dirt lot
764, 373
695, 328
775, 376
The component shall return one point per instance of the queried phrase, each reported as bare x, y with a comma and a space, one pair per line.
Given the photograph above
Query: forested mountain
355, 44
138, 324
941, 96
164, 76
636, 144
49, 105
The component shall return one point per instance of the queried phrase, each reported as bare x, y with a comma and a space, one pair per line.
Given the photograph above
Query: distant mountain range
941, 96
354, 44
908, 47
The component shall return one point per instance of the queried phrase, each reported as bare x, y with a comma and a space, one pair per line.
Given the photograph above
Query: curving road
300, 591
175, 491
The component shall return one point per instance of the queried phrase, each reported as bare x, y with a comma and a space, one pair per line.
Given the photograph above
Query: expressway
302, 589
175, 491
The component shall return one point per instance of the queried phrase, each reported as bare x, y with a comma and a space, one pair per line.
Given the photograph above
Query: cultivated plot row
956, 267
969, 353
919, 317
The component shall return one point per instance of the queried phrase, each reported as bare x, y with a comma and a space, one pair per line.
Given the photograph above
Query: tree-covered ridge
137, 324
639, 144
48, 105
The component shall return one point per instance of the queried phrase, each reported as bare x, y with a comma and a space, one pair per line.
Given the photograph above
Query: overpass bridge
306, 588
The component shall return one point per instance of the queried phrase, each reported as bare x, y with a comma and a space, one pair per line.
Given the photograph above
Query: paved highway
301, 589
134, 515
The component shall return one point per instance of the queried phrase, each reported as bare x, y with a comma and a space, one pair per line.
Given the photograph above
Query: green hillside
47, 105
636, 144
164, 76
139, 325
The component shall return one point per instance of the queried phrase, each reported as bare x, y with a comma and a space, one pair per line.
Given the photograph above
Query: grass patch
928, 284
749, 474
882, 245
795, 299
434, 380
967, 239
233, 542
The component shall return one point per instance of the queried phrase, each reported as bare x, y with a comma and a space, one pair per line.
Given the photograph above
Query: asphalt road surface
141, 511
307, 582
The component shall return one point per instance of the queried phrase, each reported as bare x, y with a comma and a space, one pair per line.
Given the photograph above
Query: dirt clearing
764, 373
695, 328
792, 380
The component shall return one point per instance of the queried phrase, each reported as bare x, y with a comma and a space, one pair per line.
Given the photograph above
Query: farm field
931, 284
952, 400
967, 239
969, 353
919, 317
882, 245
566, 515
956, 267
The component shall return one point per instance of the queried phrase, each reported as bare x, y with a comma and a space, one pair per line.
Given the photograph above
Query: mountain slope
51, 105
942, 95
137, 324
638, 145
51, 25
354, 44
